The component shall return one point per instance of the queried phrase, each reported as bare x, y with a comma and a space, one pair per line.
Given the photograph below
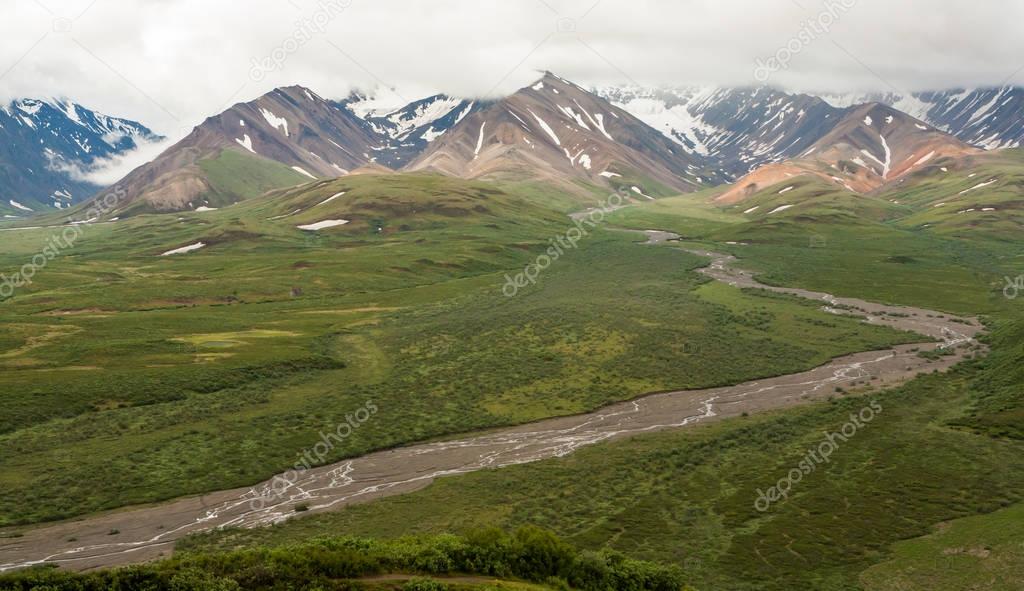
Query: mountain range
870, 146
649, 141
556, 130
989, 118
286, 137
49, 147
741, 129
405, 132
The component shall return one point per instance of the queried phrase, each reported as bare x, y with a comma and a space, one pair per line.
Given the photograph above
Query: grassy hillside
236, 175
845, 244
973, 552
980, 195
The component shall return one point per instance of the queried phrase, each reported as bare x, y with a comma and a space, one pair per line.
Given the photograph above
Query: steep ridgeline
871, 146
285, 137
988, 118
741, 129
652, 142
405, 132
736, 130
556, 130
47, 149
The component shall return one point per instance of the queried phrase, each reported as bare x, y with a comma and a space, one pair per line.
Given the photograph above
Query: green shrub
424, 585
530, 553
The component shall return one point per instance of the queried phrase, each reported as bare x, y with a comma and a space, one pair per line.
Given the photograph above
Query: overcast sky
170, 63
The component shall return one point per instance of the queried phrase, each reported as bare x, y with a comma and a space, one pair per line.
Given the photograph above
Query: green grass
877, 262
981, 552
687, 215
840, 243
828, 243
234, 175
948, 203
475, 560
134, 378
687, 497
629, 178
813, 200
945, 447
153, 377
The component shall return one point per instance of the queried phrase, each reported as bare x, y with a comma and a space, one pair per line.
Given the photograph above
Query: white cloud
107, 171
171, 63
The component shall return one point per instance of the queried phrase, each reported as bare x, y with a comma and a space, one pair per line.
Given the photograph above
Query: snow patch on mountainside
279, 123
70, 110
547, 128
426, 113
184, 249
978, 186
675, 122
479, 140
375, 104
639, 192
432, 134
577, 117
322, 225
599, 122
925, 158
29, 107
329, 199
246, 142
888, 157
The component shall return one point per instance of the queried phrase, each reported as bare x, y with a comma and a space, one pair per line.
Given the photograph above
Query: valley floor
147, 533
205, 371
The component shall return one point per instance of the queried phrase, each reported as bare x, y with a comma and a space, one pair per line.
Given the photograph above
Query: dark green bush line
530, 554
244, 375
997, 405
143, 387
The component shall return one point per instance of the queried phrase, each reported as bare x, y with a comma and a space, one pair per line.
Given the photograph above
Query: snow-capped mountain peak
742, 129
405, 130
49, 146
737, 130
989, 118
